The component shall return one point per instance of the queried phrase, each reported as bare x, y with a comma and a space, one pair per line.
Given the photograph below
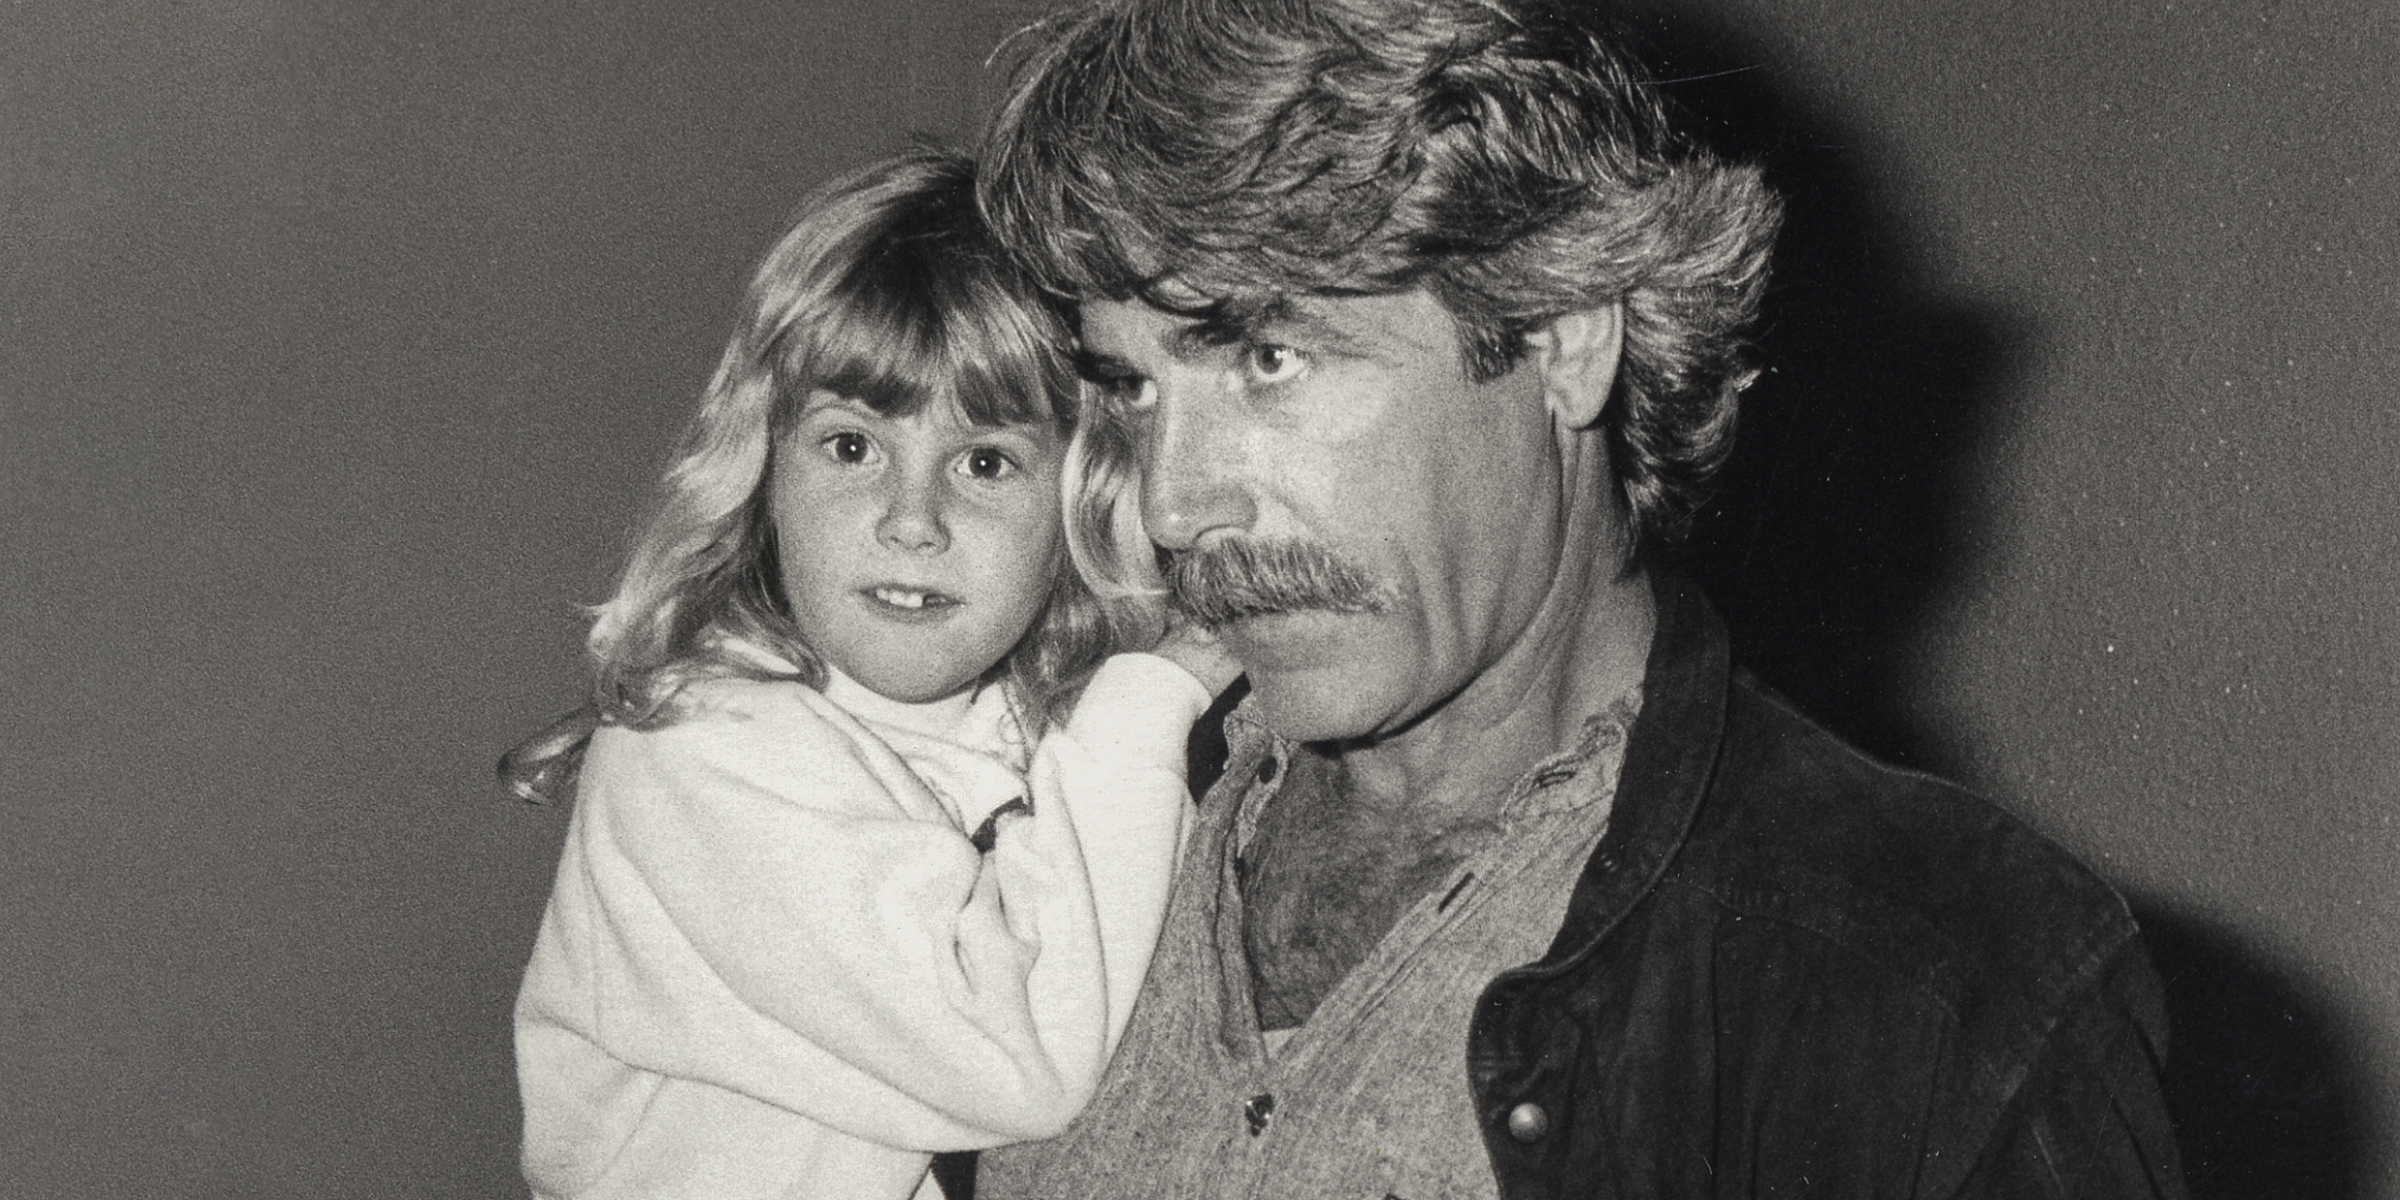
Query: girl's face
916, 550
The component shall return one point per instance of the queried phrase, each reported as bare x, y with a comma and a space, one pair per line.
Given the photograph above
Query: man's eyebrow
1225, 324
1220, 328
1288, 319
1191, 339
1097, 367
1273, 319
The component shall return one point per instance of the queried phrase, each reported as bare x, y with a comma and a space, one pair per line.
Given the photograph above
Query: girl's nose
912, 520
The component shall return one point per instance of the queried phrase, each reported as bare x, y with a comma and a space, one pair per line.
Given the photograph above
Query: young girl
824, 908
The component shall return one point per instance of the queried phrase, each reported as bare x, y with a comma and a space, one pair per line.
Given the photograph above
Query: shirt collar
1597, 751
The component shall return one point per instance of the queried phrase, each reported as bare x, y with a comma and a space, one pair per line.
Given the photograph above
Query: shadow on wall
2266, 1083
1850, 507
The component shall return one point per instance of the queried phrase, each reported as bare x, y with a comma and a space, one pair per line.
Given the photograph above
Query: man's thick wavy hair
1499, 154
888, 289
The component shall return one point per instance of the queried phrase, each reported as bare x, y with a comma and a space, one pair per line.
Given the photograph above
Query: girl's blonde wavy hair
887, 289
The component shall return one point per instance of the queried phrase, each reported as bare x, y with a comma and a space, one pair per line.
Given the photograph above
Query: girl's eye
1272, 363
847, 447
984, 462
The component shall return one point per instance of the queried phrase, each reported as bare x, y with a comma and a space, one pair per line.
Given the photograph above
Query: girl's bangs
897, 339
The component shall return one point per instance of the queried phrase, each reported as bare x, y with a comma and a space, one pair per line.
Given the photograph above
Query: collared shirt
1366, 1098
1786, 970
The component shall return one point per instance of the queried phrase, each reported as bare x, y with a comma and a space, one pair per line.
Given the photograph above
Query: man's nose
1193, 469
913, 520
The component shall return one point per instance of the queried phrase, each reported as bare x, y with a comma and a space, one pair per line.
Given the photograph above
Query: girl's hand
1198, 651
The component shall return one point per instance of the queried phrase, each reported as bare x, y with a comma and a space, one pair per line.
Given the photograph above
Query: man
1422, 329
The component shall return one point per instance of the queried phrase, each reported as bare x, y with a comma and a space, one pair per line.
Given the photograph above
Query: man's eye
1272, 363
1125, 393
984, 462
847, 447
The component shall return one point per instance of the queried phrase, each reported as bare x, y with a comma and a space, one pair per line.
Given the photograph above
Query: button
987, 835
1266, 769
1258, 1110
1528, 1123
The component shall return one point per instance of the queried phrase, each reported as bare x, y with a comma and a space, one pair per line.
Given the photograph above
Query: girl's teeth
900, 599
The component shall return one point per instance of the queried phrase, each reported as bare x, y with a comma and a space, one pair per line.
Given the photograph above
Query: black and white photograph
1200, 600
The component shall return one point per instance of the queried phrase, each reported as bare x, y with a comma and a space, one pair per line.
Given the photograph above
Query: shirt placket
1275, 1095
1247, 1098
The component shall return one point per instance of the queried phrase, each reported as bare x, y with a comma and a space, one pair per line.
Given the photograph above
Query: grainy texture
338, 342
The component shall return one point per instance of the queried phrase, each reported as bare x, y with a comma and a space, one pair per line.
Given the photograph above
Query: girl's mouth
911, 598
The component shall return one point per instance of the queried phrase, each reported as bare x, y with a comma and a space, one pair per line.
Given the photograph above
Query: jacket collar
1669, 760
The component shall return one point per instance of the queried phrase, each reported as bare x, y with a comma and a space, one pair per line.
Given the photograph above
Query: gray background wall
338, 343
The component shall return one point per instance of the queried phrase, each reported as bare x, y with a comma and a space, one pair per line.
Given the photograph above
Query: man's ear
1577, 354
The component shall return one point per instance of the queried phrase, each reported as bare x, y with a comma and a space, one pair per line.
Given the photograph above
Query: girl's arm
1117, 769
764, 898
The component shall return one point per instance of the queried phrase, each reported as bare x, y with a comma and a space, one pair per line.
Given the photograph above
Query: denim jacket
1790, 970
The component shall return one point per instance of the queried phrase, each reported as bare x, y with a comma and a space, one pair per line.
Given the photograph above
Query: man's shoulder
1912, 878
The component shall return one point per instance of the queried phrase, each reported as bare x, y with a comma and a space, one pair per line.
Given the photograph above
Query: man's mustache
1252, 577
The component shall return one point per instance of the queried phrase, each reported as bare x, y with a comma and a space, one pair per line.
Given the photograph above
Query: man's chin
1311, 677
1317, 707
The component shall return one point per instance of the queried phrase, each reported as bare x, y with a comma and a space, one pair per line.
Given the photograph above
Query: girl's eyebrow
1024, 431
849, 405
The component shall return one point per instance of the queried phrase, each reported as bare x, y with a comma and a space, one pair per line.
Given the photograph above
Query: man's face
1347, 425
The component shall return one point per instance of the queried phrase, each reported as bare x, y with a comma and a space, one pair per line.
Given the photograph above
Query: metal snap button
1258, 1110
1528, 1123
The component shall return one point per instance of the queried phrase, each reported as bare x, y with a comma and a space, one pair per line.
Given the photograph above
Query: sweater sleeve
763, 898
1117, 770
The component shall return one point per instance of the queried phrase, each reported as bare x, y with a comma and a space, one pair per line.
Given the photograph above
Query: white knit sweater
774, 965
